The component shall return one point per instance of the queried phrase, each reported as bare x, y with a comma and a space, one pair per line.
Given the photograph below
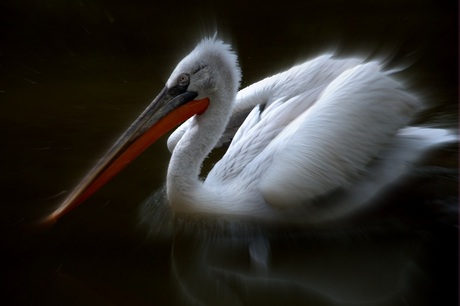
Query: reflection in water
342, 274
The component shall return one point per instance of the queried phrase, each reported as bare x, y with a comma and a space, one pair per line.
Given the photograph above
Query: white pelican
312, 143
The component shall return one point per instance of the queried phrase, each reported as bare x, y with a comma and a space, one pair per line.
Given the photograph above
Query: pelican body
325, 127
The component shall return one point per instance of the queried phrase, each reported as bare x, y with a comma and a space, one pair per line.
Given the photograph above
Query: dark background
75, 74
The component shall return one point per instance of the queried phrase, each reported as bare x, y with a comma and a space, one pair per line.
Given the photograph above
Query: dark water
74, 74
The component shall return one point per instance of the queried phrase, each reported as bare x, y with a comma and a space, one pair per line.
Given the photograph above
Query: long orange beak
170, 108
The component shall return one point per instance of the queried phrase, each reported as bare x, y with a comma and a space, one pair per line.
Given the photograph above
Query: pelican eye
183, 80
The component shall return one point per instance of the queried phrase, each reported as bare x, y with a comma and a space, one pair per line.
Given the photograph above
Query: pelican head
205, 81
209, 67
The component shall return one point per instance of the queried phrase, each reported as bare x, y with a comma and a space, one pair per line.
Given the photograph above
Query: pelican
311, 143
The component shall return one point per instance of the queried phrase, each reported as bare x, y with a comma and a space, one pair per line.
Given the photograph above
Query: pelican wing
274, 103
332, 143
319, 131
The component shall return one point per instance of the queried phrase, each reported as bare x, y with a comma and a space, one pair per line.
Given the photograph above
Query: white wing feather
332, 143
284, 96
319, 138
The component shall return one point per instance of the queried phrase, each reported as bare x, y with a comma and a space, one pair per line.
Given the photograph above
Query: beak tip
40, 225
